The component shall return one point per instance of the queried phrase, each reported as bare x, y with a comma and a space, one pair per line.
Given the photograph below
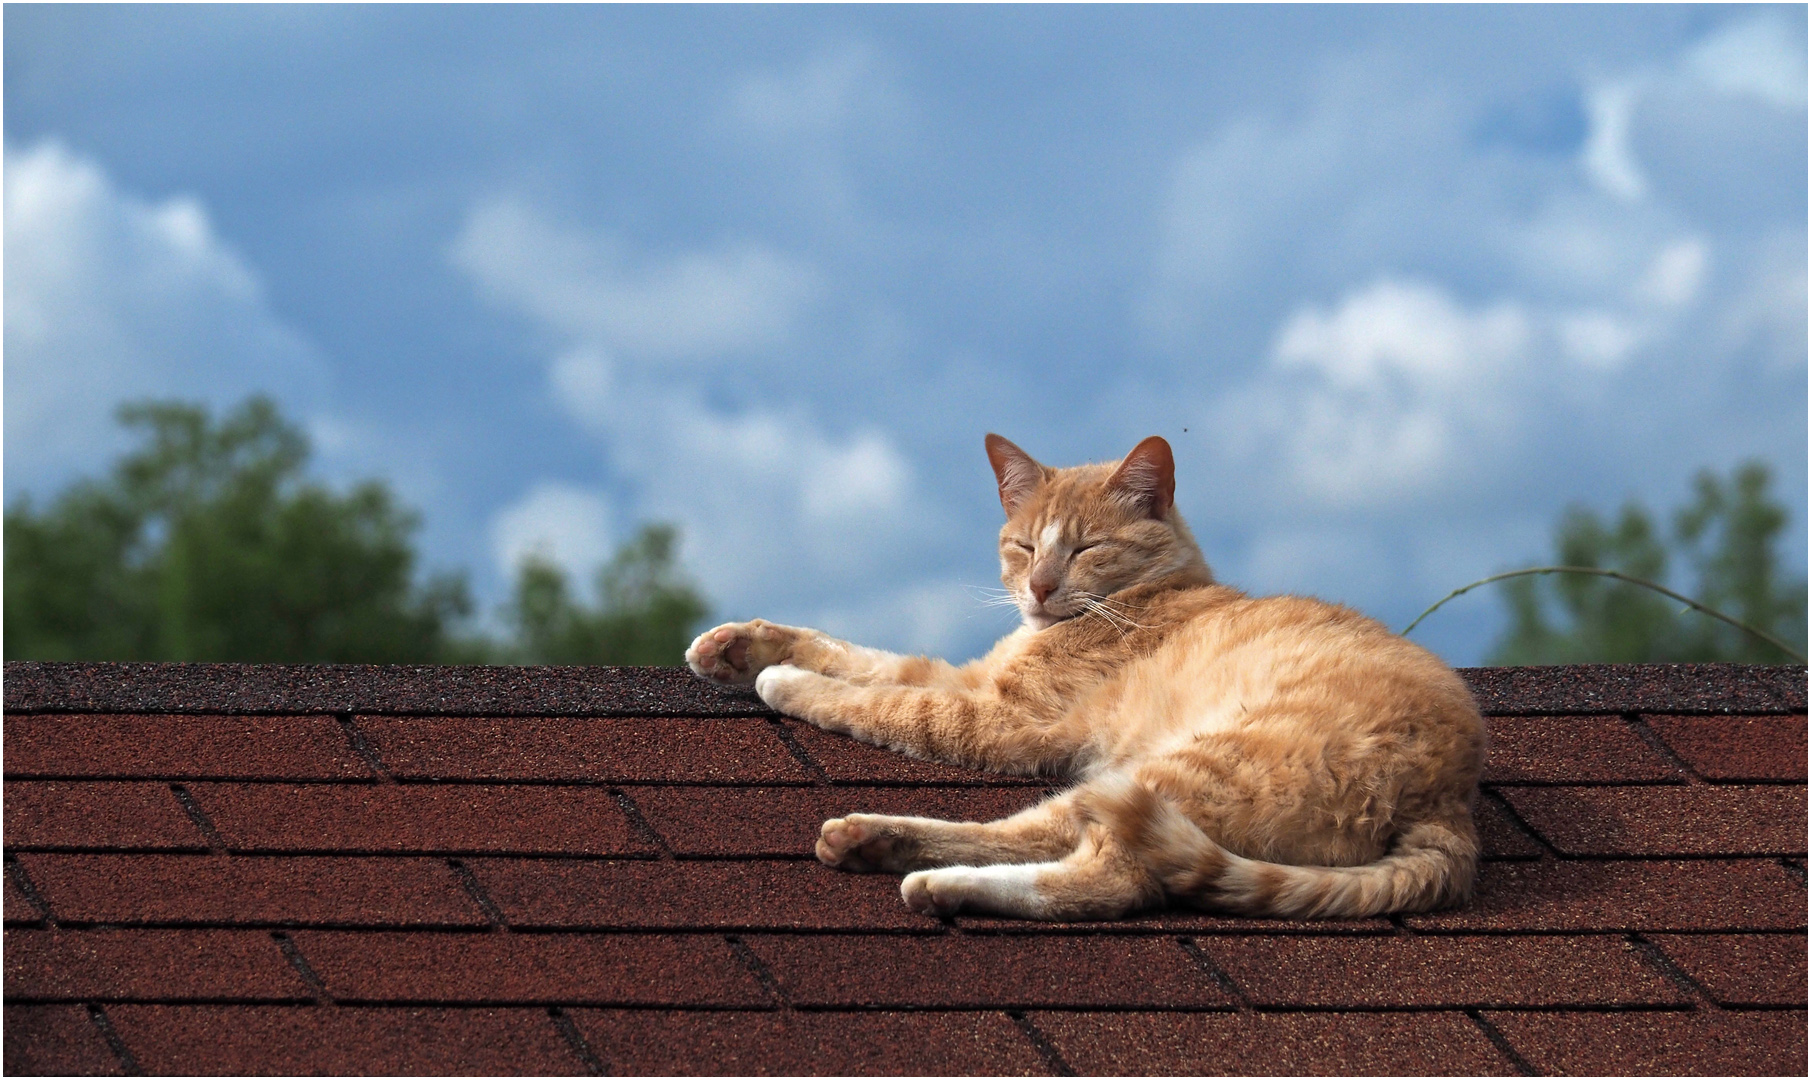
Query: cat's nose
1042, 589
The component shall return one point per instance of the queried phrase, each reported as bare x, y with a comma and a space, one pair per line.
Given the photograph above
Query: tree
646, 612
1726, 534
206, 543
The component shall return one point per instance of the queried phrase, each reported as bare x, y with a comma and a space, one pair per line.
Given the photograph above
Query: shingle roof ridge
1670, 688
73, 687
399, 689
482, 870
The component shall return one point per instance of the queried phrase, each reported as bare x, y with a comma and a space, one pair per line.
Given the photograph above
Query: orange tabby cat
1276, 756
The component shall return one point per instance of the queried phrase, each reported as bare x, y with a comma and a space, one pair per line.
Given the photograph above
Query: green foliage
207, 543
646, 612
1726, 535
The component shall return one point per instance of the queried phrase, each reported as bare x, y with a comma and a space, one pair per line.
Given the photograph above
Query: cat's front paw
787, 689
737, 652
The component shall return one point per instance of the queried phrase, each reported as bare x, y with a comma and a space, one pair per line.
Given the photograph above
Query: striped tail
1431, 865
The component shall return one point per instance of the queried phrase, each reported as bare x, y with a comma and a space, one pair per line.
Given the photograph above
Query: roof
235, 869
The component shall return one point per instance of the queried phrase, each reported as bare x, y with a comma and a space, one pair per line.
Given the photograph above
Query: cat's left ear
1147, 477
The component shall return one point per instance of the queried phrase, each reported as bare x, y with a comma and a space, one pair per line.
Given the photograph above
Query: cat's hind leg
1099, 879
871, 842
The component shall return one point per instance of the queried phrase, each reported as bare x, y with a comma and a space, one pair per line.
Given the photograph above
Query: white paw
775, 684
1006, 889
934, 892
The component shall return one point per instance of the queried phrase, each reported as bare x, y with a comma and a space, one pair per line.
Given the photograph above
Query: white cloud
1746, 62
824, 94
690, 306
1368, 401
1676, 275
776, 510
110, 297
563, 524
771, 504
1760, 58
937, 617
1396, 328
1398, 389
1598, 339
865, 475
1607, 156
1599, 286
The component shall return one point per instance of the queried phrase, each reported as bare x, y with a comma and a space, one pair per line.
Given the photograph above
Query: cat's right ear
1018, 472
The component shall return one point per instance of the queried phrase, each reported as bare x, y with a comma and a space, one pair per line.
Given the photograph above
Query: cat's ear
1018, 472
1147, 478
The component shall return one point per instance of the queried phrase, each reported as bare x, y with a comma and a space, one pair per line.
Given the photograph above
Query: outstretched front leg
978, 728
738, 652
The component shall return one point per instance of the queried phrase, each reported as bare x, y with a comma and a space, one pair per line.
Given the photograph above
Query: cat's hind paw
1007, 889
862, 843
937, 893
737, 652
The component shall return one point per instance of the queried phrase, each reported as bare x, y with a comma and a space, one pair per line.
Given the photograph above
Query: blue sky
1398, 284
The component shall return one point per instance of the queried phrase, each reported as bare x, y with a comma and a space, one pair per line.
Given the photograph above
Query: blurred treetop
1725, 536
207, 542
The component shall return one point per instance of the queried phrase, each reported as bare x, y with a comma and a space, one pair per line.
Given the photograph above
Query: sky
1398, 284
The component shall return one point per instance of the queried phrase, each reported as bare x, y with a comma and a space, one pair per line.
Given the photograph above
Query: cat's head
1075, 536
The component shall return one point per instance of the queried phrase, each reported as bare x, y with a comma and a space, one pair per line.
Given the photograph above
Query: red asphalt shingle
251, 890
647, 1043
1572, 750
1661, 821
244, 869
1445, 972
1014, 972
1742, 969
104, 814
1693, 894
179, 1040
598, 969
148, 965
19, 906
610, 750
181, 747
845, 761
647, 895
1499, 836
446, 818
748, 822
1310, 1044
1730, 748
1653, 1043
57, 1040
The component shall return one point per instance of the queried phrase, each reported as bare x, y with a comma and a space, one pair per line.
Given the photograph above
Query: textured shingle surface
334, 869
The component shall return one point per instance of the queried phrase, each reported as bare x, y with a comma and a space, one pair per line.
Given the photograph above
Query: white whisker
990, 597
1112, 611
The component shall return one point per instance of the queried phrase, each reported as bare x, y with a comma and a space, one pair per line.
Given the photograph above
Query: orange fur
1272, 756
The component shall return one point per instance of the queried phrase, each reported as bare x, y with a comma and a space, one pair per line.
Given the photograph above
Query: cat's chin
1043, 622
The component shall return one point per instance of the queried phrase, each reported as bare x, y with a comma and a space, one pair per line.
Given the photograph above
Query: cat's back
1228, 661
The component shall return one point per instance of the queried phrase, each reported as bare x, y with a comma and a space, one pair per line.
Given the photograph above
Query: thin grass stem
1689, 603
